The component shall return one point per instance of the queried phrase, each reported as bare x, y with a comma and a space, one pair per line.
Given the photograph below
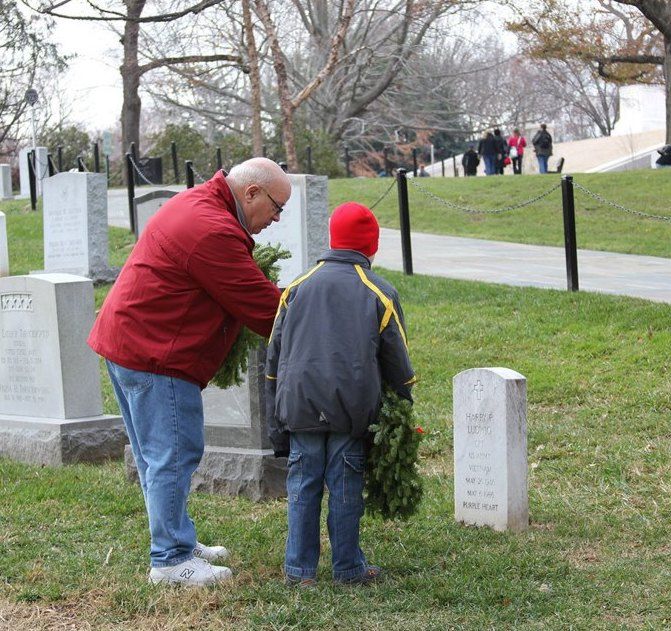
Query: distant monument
642, 108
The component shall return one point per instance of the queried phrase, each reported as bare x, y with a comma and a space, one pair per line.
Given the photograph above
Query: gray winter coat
338, 335
542, 137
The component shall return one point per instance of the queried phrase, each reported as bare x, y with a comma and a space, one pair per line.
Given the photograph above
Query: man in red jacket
166, 326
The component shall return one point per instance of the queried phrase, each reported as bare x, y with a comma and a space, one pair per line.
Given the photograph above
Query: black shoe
302, 583
371, 574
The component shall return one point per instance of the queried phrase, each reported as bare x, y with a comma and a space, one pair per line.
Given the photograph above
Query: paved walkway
646, 277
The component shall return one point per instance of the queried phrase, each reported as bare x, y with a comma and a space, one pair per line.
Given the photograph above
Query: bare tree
27, 59
131, 16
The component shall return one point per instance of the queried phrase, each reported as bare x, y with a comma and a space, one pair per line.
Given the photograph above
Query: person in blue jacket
339, 334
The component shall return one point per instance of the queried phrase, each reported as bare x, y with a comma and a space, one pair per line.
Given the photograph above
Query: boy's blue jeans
338, 460
164, 420
542, 164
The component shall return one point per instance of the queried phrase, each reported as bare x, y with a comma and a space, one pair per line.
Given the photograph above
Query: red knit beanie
354, 227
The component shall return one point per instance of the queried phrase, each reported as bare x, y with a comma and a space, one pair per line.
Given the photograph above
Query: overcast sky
92, 84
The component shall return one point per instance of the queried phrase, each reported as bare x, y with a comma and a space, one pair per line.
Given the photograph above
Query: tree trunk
667, 85
254, 79
130, 74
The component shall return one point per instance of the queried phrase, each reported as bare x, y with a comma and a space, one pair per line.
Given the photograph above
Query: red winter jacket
518, 141
186, 289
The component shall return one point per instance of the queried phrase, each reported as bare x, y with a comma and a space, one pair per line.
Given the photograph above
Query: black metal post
107, 168
570, 243
130, 183
442, 167
133, 152
265, 151
220, 164
50, 165
31, 179
284, 166
385, 153
188, 166
414, 162
347, 162
454, 165
173, 151
80, 164
404, 216
59, 154
308, 152
96, 157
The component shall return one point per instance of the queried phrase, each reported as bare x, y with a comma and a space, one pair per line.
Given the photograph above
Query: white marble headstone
303, 226
41, 170
6, 182
146, 206
4, 251
75, 224
490, 449
50, 397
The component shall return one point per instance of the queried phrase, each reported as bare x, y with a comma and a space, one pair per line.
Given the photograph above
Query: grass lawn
74, 541
598, 227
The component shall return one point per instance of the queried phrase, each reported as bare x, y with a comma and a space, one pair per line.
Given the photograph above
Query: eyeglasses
278, 208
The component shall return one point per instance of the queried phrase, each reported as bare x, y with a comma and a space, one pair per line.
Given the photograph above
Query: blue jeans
542, 164
338, 460
164, 420
490, 164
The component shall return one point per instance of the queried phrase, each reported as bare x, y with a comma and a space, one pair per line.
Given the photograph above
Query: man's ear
251, 192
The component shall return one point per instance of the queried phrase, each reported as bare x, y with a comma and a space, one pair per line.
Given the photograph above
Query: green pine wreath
394, 487
232, 371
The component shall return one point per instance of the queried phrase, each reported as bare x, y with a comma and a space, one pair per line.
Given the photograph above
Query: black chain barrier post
80, 164
265, 151
173, 152
59, 156
220, 164
133, 153
308, 154
107, 168
31, 179
454, 165
442, 167
96, 158
130, 183
188, 166
570, 244
347, 162
50, 165
414, 162
283, 166
404, 215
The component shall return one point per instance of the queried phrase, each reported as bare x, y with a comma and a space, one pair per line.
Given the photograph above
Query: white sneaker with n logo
192, 573
210, 553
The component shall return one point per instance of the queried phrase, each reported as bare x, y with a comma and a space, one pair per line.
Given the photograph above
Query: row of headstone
50, 397
6, 182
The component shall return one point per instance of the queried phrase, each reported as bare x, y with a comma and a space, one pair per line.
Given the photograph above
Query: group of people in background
497, 152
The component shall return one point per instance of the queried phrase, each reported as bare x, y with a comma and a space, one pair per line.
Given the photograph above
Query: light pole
31, 99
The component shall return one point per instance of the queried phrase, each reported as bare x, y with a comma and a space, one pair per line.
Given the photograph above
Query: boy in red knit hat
339, 334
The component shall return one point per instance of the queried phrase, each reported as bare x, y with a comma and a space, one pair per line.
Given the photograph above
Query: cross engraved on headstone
478, 388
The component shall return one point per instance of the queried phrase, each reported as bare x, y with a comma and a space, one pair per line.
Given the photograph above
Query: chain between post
391, 186
607, 202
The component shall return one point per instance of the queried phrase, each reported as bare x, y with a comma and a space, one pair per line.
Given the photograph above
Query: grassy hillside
598, 227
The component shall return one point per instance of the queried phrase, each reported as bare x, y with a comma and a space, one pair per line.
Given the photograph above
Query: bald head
262, 188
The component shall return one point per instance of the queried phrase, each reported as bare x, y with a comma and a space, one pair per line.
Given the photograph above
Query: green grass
596, 556
598, 227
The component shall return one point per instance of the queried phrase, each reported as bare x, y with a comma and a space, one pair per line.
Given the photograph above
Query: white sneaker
210, 553
192, 573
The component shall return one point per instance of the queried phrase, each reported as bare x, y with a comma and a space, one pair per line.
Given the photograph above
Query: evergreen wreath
393, 485
234, 368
